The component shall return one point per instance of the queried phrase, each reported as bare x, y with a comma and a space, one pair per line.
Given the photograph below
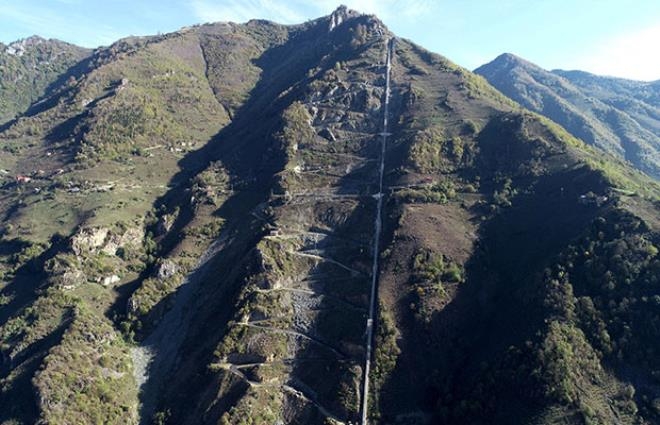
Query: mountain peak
342, 14
19, 47
589, 106
506, 64
506, 56
31, 40
511, 60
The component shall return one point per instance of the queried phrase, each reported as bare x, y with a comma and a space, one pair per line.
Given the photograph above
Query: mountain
619, 116
233, 223
31, 68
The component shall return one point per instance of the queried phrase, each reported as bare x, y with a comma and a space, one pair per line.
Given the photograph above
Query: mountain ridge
198, 209
29, 68
617, 115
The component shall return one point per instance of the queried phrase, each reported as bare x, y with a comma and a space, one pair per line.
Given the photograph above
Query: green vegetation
426, 150
565, 359
618, 173
615, 115
385, 357
35, 323
439, 193
431, 277
505, 194
154, 101
98, 157
259, 406
87, 378
27, 69
478, 88
435, 269
600, 290
616, 265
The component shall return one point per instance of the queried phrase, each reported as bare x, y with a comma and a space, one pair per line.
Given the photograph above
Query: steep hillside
83, 171
619, 116
196, 228
31, 68
640, 100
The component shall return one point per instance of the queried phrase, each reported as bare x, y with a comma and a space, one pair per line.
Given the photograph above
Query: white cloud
44, 21
296, 11
632, 55
241, 11
30, 20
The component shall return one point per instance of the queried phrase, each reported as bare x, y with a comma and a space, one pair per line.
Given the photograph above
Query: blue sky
611, 37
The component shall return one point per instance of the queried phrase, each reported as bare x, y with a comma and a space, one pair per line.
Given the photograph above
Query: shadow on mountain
497, 307
332, 379
20, 400
23, 289
252, 156
54, 92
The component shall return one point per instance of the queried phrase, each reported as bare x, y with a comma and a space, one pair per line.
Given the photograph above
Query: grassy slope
27, 75
99, 158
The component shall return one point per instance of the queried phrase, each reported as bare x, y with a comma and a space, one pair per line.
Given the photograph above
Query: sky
609, 37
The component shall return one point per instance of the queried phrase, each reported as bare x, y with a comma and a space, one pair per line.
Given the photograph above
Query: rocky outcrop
71, 279
341, 15
81, 264
109, 280
94, 240
164, 225
167, 269
131, 238
89, 240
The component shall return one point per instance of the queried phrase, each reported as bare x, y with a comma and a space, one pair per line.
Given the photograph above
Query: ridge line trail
378, 223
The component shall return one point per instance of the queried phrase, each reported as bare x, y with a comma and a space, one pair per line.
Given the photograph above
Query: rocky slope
188, 237
619, 116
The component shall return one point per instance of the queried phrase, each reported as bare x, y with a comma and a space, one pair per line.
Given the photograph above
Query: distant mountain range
320, 224
619, 116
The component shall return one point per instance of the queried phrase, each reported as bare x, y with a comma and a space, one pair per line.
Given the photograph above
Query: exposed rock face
132, 306
94, 240
18, 48
71, 279
87, 246
167, 269
89, 241
131, 238
341, 15
164, 224
110, 280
